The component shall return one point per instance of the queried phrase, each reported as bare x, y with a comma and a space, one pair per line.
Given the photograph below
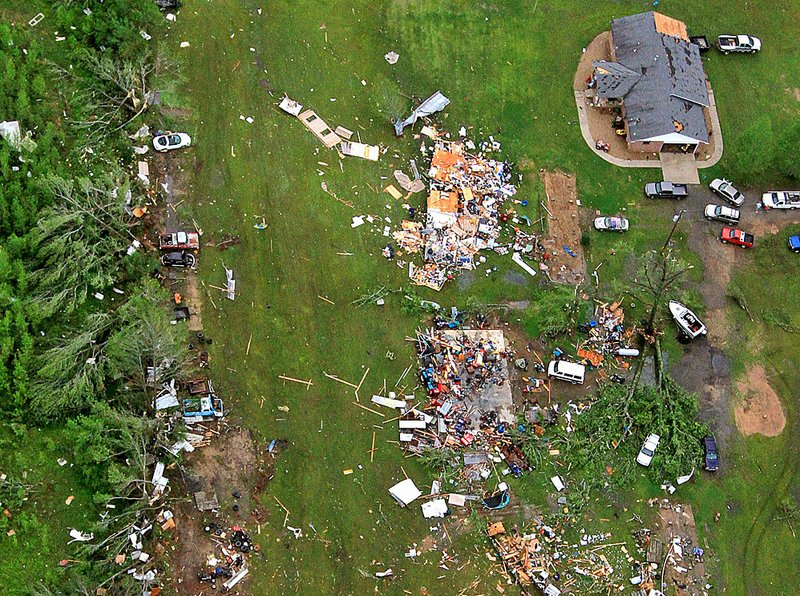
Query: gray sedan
727, 191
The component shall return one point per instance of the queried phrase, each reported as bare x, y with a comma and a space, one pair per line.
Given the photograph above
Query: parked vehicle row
674, 190
741, 44
178, 248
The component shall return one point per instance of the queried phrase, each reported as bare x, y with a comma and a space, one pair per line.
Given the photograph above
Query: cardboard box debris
206, 500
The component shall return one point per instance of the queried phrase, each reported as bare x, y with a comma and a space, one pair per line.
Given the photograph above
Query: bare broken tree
659, 272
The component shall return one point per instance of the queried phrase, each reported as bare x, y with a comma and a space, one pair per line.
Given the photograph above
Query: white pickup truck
738, 43
781, 199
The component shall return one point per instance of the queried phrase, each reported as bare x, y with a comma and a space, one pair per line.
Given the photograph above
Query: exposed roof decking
660, 76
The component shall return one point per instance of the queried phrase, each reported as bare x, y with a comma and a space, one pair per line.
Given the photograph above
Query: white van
566, 371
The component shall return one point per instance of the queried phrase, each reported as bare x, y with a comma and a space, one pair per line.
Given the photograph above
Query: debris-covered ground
223, 483
227, 234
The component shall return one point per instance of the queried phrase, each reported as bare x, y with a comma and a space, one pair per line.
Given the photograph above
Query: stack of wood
522, 556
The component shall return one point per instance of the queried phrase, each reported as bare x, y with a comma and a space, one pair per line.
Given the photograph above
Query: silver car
727, 191
722, 213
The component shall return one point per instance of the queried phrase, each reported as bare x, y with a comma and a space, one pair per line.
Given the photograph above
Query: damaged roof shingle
659, 76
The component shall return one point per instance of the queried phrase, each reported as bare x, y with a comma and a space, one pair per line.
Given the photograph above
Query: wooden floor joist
308, 383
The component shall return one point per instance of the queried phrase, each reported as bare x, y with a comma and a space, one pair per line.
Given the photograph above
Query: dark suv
178, 258
711, 460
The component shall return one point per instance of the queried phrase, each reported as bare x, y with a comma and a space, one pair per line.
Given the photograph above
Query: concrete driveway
679, 167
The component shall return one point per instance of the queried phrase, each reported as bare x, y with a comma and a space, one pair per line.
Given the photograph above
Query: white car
722, 213
648, 450
727, 191
738, 43
611, 224
171, 140
781, 199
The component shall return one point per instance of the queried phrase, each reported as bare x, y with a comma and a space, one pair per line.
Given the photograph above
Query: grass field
41, 524
507, 68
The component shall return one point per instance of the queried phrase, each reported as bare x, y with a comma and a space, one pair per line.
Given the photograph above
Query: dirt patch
598, 49
563, 229
234, 461
516, 279
717, 325
174, 112
760, 411
797, 93
526, 165
676, 520
193, 300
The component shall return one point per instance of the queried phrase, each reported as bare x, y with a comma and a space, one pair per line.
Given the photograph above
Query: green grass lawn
41, 524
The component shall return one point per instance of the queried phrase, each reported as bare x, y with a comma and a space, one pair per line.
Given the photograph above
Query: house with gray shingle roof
656, 76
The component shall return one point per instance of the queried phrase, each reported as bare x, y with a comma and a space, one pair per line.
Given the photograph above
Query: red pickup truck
737, 237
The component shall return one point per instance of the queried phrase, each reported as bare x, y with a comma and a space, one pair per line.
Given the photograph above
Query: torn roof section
659, 75
614, 80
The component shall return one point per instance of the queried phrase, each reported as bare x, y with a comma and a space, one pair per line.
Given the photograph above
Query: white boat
688, 322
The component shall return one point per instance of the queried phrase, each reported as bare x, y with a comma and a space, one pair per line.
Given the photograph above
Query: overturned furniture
405, 492
290, 106
370, 152
206, 500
